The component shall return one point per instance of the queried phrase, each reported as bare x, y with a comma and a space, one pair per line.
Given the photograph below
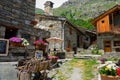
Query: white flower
111, 66
25, 42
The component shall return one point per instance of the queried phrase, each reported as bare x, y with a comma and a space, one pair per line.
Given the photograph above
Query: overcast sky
57, 3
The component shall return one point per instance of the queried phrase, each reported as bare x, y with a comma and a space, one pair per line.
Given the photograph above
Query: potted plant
53, 58
109, 72
15, 41
40, 44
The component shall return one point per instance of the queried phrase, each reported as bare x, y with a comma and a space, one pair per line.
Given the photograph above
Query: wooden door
107, 46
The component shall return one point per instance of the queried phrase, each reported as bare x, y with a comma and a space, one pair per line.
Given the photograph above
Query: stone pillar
2, 32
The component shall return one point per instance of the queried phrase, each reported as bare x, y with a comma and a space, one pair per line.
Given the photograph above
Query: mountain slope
85, 9
39, 11
80, 12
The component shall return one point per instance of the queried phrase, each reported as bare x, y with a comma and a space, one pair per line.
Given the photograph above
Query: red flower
118, 71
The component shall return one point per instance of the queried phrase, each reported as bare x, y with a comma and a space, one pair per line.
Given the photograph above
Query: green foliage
39, 11
89, 66
78, 22
95, 50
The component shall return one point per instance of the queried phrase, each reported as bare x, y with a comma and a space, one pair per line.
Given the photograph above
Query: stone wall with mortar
18, 14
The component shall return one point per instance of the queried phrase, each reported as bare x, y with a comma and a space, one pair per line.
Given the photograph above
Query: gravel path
66, 72
76, 74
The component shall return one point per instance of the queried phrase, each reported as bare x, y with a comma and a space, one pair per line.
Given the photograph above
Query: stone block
69, 54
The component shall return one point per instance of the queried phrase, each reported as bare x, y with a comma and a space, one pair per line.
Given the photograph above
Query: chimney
48, 8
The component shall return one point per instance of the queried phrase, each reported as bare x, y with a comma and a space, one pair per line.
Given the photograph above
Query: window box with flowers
15, 41
18, 42
109, 72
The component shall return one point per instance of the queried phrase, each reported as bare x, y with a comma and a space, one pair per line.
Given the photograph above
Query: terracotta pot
105, 77
12, 44
68, 49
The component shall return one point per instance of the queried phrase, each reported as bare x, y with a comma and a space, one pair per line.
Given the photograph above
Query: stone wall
109, 37
18, 15
17, 12
55, 29
70, 36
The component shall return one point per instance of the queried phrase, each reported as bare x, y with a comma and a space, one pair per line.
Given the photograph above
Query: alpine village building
108, 30
60, 27
17, 19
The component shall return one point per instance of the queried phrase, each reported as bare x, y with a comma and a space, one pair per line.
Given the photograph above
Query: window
103, 21
10, 32
116, 43
117, 46
116, 18
51, 26
26, 36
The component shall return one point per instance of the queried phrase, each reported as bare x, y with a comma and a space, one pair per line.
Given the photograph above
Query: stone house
88, 38
17, 18
59, 27
108, 30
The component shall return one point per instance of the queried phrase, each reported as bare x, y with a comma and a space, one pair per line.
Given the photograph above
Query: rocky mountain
85, 9
80, 12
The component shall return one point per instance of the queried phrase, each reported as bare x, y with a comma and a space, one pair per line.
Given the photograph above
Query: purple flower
15, 39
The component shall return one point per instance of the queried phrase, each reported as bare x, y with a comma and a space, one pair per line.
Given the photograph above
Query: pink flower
50, 57
40, 42
15, 39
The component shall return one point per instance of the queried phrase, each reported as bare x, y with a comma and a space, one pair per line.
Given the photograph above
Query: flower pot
105, 77
54, 60
12, 44
68, 49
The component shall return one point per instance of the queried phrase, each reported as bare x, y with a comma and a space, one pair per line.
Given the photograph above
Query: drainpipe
62, 36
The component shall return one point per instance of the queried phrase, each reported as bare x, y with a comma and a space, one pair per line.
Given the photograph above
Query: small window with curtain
26, 36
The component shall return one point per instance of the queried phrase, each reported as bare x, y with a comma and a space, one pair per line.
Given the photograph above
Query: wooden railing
115, 29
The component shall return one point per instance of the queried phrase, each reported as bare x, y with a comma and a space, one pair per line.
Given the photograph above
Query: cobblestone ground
8, 71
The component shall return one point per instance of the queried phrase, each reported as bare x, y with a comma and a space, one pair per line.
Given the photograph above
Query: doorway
107, 46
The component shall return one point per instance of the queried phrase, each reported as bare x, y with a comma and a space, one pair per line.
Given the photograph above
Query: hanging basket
105, 77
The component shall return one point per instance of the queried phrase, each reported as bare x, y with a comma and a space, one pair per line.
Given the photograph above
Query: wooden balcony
115, 29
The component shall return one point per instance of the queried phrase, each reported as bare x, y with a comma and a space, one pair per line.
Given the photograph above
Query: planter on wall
16, 44
68, 49
105, 77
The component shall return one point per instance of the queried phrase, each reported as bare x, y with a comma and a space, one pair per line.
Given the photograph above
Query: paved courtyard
8, 71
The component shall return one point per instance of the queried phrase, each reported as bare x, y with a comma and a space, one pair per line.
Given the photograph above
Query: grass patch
87, 65
89, 69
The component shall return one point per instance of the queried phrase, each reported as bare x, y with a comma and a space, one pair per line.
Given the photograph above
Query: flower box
106, 77
68, 49
53, 59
